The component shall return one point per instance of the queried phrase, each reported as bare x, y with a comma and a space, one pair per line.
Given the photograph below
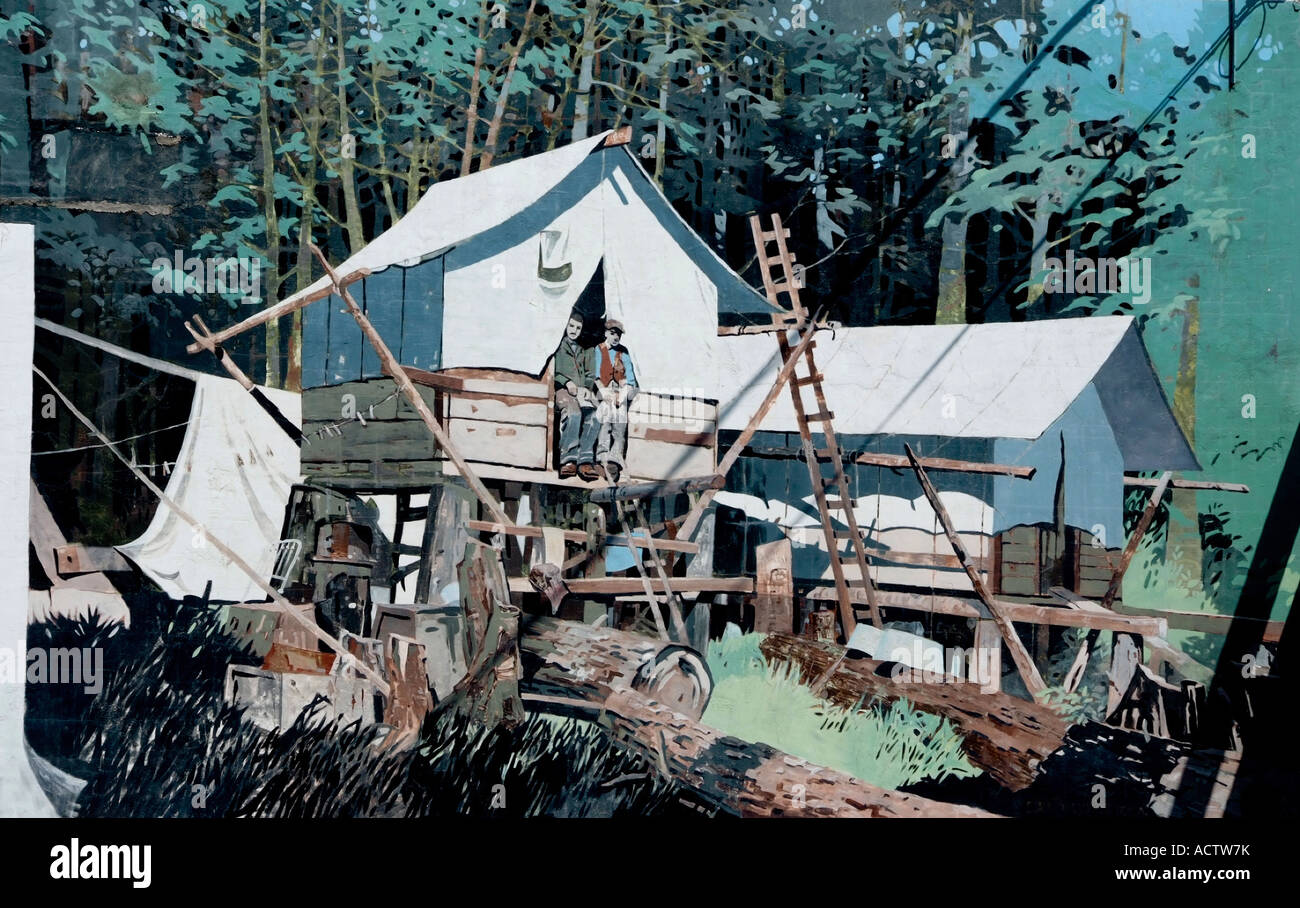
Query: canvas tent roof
480, 241
969, 381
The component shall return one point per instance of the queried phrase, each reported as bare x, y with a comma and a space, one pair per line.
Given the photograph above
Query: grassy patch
887, 746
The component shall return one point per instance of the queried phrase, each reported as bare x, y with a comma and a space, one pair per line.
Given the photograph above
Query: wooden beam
1019, 612
1147, 482
665, 545
1205, 622
947, 463
1074, 677
76, 558
293, 304
101, 205
616, 586
1019, 655
203, 337
897, 461
1149, 512
632, 490
394, 369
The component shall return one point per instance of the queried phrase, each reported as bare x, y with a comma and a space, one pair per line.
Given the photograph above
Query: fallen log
566, 661
752, 780
1003, 735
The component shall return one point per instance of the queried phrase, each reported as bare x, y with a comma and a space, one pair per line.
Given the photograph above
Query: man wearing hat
615, 381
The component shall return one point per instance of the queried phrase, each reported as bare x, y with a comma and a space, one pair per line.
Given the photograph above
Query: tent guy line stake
395, 371
279, 601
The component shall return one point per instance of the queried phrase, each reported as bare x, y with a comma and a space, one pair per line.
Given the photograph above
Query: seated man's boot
568, 469
613, 471
588, 472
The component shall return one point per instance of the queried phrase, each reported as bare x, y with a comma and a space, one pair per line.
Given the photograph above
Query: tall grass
161, 727
888, 746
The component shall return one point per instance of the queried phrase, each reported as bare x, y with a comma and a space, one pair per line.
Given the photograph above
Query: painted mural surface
648, 408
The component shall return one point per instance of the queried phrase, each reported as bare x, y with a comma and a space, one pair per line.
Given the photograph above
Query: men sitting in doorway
615, 388
576, 402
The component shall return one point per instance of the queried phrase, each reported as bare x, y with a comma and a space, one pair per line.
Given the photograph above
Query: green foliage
889, 747
1087, 703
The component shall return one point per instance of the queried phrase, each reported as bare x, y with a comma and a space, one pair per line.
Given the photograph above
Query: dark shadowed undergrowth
159, 741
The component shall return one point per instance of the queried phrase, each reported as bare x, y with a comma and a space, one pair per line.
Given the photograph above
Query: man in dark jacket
575, 401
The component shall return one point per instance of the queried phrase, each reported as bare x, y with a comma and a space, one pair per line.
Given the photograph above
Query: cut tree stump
1004, 735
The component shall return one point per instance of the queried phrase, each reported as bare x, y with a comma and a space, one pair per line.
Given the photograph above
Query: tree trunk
1007, 737
268, 202
1183, 535
503, 98
347, 170
951, 305
661, 128
575, 661
586, 62
752, 780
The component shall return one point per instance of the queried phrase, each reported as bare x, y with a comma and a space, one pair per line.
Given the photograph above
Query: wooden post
985, 666
1033, 681
403, 381
1074, 677
774, 586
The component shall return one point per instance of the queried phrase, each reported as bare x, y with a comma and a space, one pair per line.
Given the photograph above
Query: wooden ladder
831, 492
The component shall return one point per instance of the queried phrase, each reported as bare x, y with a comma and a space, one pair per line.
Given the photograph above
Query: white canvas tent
233, 474
486, 268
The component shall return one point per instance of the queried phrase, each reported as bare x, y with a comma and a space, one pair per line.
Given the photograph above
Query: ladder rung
845, 533
823, 453
820, 416
838, 504
770, 235
783, 287
854, 581
809, 380
829, 482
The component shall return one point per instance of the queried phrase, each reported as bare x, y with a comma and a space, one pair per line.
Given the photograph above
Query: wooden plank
1148, 482
1024, 664
666, 545
1205, 622
659, 460
897, 461
326, 404
1019, 612
616, 586
1138, 532
926, 559
392, 368
496, 410
76, 558
632, 490
292, 304
511, 444
46, 538
672, 436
